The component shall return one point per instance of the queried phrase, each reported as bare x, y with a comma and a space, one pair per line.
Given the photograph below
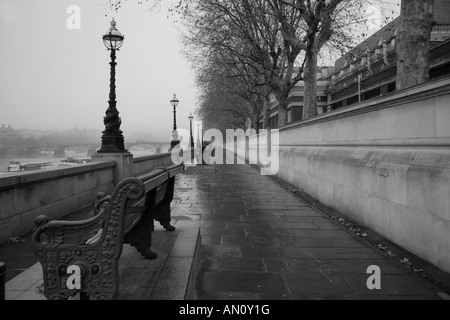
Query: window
337, 105
273, 121
352, 100
391, 87
289, 116
372, 94
440, 71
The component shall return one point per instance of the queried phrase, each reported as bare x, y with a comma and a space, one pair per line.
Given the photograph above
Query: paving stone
221, 217
398, 285
327, 226
190, 211
267, 225
261, 283
230, 211
302, 219
321, 233
307, 283
263, 251
214, 224
222, 231
261, 231
235, 264
219, 251
261, 218
277, 265
342, 266
296, 226
334, 253
301, 213
211, 240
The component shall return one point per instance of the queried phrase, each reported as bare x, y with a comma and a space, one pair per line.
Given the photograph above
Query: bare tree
251, 32
413, 42
215, 52
284, 37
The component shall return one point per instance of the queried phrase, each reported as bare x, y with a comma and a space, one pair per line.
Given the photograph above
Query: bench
95, 245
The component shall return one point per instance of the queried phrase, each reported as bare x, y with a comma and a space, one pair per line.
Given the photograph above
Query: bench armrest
66, 234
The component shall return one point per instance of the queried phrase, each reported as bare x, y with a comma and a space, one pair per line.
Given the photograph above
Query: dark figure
162, 212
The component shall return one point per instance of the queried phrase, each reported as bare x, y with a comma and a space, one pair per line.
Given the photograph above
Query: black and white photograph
221, 158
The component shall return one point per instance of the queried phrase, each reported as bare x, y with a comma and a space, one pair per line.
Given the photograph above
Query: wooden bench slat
155, 182
174, 170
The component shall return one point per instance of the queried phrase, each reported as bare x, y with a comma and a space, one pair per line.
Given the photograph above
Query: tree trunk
266, 114
413, 42
310, 76
282, 112
256, 122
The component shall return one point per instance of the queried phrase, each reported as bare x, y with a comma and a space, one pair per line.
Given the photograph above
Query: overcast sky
55, 78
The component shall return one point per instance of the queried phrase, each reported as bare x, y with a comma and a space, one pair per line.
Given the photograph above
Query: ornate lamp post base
112, 144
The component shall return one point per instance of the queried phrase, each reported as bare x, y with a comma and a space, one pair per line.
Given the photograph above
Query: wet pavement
260, 241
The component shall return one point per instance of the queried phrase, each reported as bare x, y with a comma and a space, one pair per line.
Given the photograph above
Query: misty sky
55, 78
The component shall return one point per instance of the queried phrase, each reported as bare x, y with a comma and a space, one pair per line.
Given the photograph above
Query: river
4, 162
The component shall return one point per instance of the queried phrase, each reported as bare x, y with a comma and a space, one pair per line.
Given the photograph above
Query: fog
55, 78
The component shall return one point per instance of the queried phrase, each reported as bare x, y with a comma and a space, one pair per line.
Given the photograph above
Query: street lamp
112, 139
191, 118
174, 102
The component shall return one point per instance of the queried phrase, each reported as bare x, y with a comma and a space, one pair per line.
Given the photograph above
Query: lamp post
112, 139
174, 102
191, 118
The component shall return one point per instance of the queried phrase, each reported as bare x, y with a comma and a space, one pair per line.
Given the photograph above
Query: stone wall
54, 193
146, 164
384, 163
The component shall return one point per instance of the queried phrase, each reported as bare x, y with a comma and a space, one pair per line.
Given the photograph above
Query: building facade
368, 71
297, 98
